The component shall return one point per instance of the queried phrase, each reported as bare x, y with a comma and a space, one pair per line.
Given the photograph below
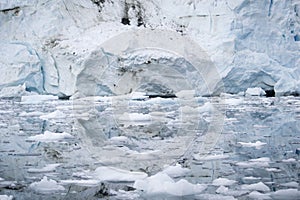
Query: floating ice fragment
185, 94
222, 190
259, 196
223, 181
257, 187
176, 171
86, 183
256, 91
251, 178
288, 194
138, 96
272, 169
257, 144
31, 114
46, 186
116, 175
262, 159
233, 101
135, 119
214, 197
37, 98
6, 197
161, 183
210, 157
51, 137
258, 162
226, 191
290, 160
291, 184
54, 115
207, 107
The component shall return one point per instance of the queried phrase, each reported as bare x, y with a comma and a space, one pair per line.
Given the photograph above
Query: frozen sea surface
140, 148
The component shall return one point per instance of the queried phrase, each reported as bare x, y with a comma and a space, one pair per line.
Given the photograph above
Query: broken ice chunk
257, 144
46, 186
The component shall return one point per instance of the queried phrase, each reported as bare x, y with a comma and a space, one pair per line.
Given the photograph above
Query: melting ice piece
51, 137
257, 144
215, 197
289, 194
46, 186
257, 91
234, 102
259, 196
31, 114
262, 159
257, 187
6, 197
138, 96
162, 184
252, 164
176, 171
207, 107
210, 157
54, 115
37, 98
135, 119
86, 183
226, 191
116, 175
185, 94
272, 169
291, 184
223, 181
290, 160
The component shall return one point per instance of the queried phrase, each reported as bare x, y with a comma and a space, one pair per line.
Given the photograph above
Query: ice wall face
252, 43
20, 65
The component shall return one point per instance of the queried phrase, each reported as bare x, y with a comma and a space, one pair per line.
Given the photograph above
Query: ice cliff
55, 47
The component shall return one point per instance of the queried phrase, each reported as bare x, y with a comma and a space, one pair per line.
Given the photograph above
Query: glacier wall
45, 45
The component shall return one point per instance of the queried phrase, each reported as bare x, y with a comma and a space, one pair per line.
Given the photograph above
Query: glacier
251, 44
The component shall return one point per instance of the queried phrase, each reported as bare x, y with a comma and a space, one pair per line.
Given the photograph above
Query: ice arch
159, 60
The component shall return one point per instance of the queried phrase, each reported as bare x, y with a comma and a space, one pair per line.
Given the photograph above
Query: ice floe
46, 186
51, 137
162, 184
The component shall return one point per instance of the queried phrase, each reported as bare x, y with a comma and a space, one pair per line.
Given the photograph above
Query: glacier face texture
47, 46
